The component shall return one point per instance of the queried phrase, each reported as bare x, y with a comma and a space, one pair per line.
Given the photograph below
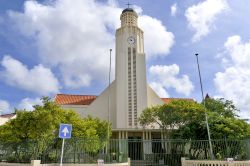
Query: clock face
131, 40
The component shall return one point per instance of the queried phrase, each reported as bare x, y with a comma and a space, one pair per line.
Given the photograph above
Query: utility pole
204, 103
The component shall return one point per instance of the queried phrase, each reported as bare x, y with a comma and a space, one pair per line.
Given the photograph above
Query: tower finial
128, 4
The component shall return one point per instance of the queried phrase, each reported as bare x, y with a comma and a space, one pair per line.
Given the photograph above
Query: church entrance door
135, 147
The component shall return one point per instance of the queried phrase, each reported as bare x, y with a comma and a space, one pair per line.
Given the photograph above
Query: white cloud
4, 107
158, 41
76, 36
72, 36
234, 82
202, 16
137, 9
173, 9
38, 79
28, 103
166, 77
239, 52
159, 89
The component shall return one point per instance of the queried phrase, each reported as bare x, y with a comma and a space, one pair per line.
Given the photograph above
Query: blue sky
62, 46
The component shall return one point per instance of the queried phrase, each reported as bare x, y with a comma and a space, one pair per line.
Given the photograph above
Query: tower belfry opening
128, 17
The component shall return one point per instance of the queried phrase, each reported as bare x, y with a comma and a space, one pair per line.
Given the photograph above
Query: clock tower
131, 84
128, 95
123, 101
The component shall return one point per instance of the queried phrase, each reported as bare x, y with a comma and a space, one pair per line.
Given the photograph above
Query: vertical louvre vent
129, 88
134, 87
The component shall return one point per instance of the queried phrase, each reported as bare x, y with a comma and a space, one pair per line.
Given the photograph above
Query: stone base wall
185, 162
38, 163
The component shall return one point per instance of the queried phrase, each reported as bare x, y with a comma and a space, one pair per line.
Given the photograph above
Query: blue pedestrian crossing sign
65, 131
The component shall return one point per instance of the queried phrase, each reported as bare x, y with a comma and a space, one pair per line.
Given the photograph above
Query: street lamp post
110, 50
204, 103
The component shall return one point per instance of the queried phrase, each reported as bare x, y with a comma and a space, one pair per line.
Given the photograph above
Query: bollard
129, 162
183, 163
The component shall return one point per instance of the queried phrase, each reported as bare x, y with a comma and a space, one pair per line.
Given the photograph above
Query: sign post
64, 132
61, 161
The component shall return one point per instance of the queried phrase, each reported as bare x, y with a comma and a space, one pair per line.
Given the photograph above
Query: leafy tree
186, 119
228, 127
43, 124
41, 127
179, 118
224, 121
221, 106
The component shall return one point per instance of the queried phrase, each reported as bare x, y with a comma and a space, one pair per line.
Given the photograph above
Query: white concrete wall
121, 76
141, 84
13, 164
153, 98
185, 162
99, 107
80, 109
3, 120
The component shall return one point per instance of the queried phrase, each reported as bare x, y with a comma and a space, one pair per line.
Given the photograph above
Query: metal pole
62, 153
204, 103
110, 50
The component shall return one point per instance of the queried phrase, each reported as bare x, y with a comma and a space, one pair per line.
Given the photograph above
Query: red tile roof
66, 99
8, 115
168, 100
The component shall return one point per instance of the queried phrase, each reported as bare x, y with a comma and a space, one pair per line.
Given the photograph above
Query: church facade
129, 94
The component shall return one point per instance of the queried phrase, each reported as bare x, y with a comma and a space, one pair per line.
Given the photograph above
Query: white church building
129, 94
